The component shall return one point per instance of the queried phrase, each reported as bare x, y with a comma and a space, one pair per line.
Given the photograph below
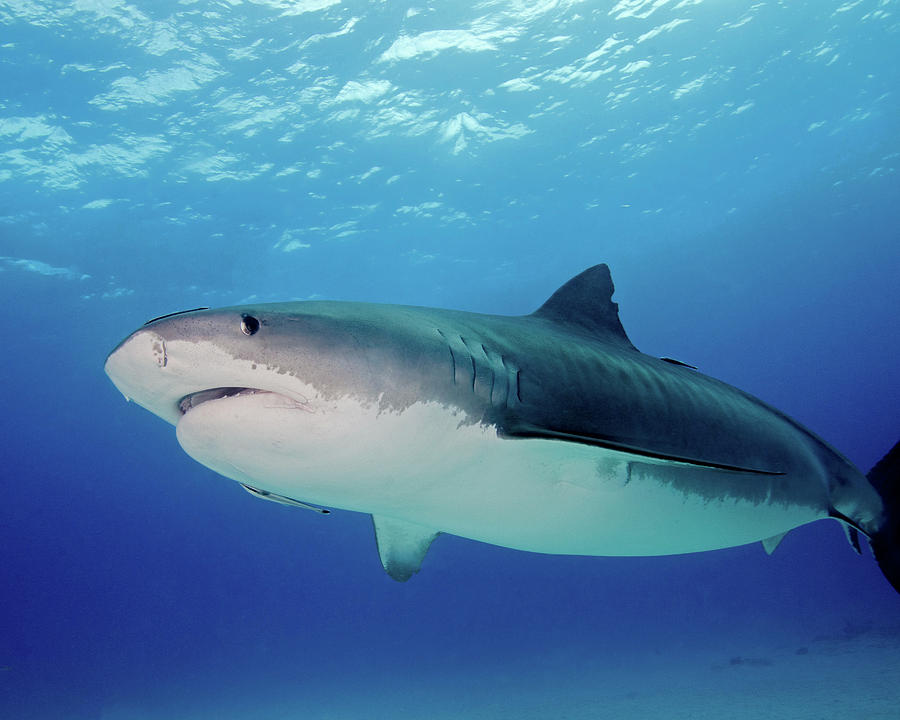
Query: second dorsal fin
586, 302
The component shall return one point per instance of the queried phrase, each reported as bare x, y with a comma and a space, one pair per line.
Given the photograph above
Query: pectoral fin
401, 545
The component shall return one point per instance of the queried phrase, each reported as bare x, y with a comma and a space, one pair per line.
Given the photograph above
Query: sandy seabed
850, 675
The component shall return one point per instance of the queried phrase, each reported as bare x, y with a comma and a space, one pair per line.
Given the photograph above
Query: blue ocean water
735, 163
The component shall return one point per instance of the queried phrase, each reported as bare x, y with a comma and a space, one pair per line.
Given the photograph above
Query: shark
548, 432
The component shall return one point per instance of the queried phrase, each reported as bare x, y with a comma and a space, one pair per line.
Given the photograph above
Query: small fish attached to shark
548, 432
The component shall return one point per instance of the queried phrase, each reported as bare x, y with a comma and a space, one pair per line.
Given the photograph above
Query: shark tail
885, 478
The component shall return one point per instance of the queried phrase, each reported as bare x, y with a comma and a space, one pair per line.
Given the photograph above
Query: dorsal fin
586, 302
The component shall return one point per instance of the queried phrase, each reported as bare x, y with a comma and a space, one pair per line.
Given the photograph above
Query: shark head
178, 362
325, 401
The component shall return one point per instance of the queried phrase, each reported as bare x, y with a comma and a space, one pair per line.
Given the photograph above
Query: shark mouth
189, 402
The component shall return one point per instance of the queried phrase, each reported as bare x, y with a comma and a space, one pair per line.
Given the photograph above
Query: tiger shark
547, 432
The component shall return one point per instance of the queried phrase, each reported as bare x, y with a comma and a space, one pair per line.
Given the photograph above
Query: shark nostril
159, 352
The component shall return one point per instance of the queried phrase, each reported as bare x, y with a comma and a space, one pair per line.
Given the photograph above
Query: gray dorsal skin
502, 429
585, 303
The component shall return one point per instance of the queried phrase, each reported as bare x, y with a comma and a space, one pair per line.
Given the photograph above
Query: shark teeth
189, 402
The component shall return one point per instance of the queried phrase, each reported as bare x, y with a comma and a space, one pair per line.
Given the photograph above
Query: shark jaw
171, 377
189, 402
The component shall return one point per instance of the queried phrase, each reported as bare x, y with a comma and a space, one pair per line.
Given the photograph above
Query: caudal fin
885, 477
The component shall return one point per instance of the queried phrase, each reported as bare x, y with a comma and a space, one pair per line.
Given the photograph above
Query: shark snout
139, 368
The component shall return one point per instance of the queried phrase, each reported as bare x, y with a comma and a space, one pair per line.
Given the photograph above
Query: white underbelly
428, 466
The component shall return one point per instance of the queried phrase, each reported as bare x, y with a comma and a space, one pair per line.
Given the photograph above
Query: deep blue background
748, 244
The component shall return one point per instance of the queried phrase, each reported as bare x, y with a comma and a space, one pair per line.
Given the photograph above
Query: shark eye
249, 324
